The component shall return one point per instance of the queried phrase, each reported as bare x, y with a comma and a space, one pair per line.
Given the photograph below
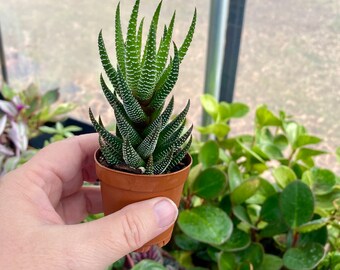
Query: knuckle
133, 231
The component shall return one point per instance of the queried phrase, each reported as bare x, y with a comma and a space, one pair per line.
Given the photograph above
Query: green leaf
163, 52
148, 145
187, 41
209, 183
132, 57
166, 84
224, 111
238, 110
206, 224
337, 154
209, 154
140, 39
173, 125
162, 165
312, 225
297, 204
244, 191
7, 92
253, 254
264, 117
131, 105
227, 261
234, 175
119, 42
284, 175
178, 156
47, 130
321, 181
50, 97
186, 243
220, 130
118, 264
238, 240
109, 70
241, 213
305, 139
293, 131
210, 105
148, 265
130, 155
306, 257
271, 262
265, 190
147, 79
305, 153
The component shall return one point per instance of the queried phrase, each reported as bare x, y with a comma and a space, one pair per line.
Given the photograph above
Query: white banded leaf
178, 157
147, 147
131, 105
119, 42
109, 156
130, 156
140, 38
109, 69
161, 166
131, 52
187, 41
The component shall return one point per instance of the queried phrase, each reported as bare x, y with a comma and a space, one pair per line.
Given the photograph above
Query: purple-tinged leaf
8, 108
6, 150
3, 121
18, 135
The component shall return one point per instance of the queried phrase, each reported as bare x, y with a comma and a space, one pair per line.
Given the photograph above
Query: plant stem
295, 238
130, 261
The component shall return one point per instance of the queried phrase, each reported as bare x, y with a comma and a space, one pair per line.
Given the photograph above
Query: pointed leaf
131, 105
140, 38
174, 124
131, 52
160, 167
149, 166
119, 41
147, 147
148, 75
109, 70
130, 156
178, 157
109, 155
187, 41
166, 84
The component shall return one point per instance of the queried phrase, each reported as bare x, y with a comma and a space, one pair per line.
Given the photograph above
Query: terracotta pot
120, 189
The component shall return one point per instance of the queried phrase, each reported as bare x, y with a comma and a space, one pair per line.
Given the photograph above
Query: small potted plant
148, 154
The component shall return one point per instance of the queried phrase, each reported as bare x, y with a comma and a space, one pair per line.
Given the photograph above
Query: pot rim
148, 175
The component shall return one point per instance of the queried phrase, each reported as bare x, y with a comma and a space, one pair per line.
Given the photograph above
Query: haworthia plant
145, 137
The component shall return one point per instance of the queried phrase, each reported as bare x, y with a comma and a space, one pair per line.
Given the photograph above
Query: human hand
43, 200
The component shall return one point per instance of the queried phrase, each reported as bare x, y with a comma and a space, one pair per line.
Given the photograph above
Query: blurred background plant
255, 201
22, 115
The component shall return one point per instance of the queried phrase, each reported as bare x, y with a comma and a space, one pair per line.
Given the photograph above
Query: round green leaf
253, 254
265, 190
209, 183
209, 154
321, 181
148, 265
210, 105
284, 175
238, 240
312, 225
297, 204
241, 213
303, 258
186, 243
264, 117
235, 177
227, 261
271, 262
245, 191
207, 224
224, 111
238, 110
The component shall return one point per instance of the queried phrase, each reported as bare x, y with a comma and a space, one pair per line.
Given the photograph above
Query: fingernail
166, 212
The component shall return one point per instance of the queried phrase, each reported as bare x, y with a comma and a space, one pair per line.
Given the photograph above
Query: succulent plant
145, 138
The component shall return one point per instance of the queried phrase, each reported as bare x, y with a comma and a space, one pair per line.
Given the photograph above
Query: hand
41, 200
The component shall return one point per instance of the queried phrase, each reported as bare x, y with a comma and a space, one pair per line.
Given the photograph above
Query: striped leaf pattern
119, 41
132, 57
145, 138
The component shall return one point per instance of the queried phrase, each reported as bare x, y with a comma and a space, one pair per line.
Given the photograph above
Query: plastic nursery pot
120, 189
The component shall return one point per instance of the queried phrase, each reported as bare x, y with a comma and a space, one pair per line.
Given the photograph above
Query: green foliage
22, 115
280, 209
142, 81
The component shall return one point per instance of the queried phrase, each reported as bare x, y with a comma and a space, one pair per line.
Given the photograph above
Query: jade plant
145, 141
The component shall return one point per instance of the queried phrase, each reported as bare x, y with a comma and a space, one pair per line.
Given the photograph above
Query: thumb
106, 240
